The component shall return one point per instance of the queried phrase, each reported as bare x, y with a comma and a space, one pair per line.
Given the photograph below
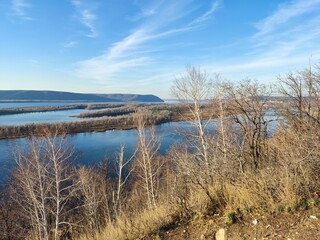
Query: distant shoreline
48, 95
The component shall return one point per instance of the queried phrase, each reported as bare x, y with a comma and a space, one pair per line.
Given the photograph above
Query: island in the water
37, 95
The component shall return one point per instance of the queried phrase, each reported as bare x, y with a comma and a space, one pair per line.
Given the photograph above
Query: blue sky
139, 46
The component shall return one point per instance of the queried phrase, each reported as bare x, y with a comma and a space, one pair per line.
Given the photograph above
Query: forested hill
33, 95
132, 97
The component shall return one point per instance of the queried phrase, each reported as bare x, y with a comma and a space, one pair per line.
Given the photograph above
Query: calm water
91, 148
40, 117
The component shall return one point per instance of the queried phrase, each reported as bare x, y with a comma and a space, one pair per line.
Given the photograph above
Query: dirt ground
290, 226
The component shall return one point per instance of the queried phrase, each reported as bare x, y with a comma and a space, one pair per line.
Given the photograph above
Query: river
91, 148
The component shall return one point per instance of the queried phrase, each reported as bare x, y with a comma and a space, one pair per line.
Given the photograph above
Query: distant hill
33, 95
132, 97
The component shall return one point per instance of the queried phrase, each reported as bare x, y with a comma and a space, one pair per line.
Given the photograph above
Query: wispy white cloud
264, 69
70, 44
285, 41
284, 14
101, 68
128, 43
146, 12
124, 55
20, 8
274, 48
300, 37
257, 64
86, 17
204, 17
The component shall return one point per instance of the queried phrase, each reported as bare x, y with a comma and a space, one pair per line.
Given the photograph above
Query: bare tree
122, 178
103, 191
148, 146
301, 93
200, 167
11, 220
44, 184
92, 187
220, 103
194, 88
32, 188
247, 104
63, 186
298, 152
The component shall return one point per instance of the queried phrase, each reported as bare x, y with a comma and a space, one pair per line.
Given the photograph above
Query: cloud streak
20, 8
101, 68
70, 44
271, 39
146, 12
284, 14
274, 47
86, 17
124, 55
207, 15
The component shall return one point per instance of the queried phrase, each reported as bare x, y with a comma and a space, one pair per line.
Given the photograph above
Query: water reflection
90, 148
41, 117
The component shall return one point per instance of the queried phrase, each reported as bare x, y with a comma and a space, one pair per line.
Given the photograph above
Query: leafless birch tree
194, 88
92, 187
122, 177
44, 184
148, 146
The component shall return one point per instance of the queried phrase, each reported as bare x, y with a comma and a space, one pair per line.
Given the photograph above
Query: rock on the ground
221, 234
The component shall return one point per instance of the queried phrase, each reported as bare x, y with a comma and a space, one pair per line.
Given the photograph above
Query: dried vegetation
234, 170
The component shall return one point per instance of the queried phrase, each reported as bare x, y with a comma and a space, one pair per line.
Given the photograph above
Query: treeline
115, 111
89, 106
131, 108
239, 170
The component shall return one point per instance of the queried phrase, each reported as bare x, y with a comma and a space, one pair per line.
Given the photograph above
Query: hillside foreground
245, 178
304, 224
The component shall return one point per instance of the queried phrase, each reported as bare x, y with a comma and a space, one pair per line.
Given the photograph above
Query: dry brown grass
147, 222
